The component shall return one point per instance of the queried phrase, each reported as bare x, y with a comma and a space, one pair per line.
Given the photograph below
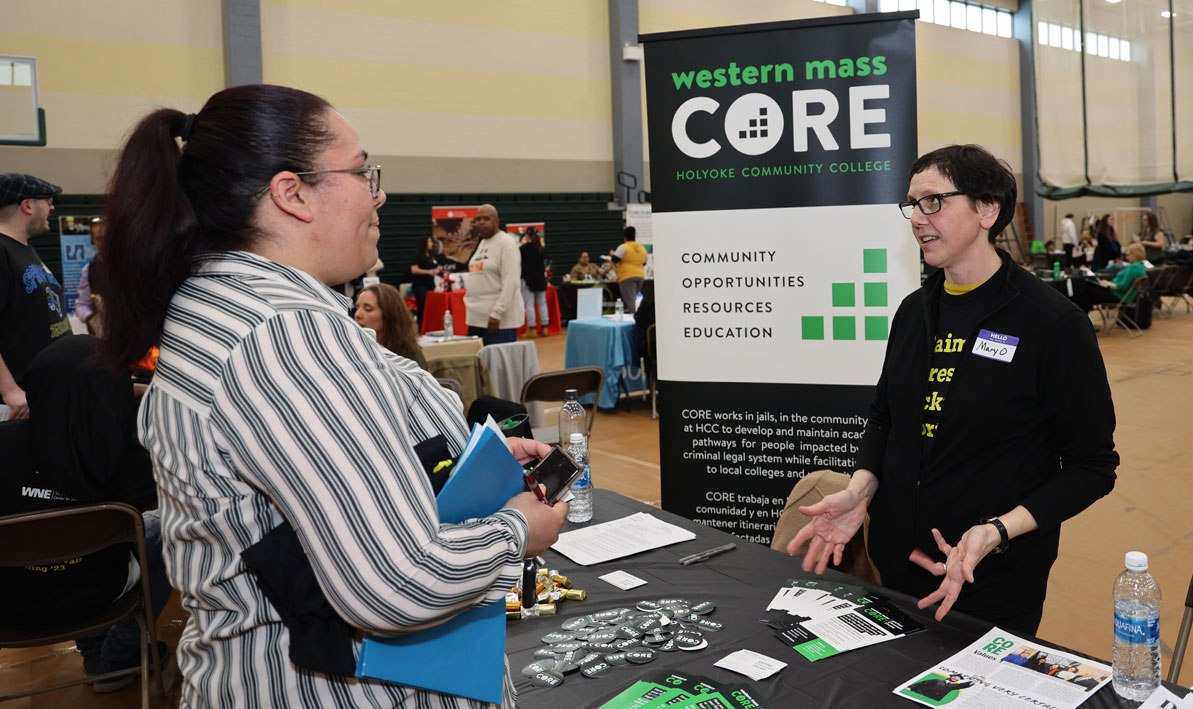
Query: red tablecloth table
436, 305
554, 323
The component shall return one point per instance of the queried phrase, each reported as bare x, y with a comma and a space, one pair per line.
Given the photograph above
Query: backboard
22, 122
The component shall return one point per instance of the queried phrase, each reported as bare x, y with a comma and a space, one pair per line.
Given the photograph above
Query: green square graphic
844, 295
874, 260
844, 327
876, 327
813, 327
874, 295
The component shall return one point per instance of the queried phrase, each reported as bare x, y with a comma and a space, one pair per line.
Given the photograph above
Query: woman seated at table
270, 405
970, 461
380, 308
1087, 294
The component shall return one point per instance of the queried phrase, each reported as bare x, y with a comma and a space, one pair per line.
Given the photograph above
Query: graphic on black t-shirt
32, 305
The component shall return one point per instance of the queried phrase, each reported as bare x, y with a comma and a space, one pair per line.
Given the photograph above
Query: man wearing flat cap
32, 302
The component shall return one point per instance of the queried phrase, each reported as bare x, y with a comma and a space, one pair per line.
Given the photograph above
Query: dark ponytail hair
166, 204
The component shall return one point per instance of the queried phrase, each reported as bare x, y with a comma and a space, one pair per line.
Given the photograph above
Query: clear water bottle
1136, 657
447, 324
572, 418
580, 508
619, 309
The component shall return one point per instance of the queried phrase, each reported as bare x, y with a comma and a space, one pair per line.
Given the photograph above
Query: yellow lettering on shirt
928, 430
933, 401
949, 344
941, 374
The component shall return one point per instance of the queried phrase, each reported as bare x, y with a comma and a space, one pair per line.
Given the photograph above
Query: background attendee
32, 302
92, 279
380, 308
82, 422
1153, 239
292, 419
495, 310
534, 280
1108, 248
584, 270
424, 268
630, 262
970, 450
1086, 294
1068, 235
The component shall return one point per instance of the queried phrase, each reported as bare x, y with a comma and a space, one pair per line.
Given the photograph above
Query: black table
740, 583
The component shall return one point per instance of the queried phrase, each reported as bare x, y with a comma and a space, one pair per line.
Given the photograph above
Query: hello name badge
994, 345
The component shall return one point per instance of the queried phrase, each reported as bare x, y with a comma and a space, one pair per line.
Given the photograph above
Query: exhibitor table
612, 345
740, 583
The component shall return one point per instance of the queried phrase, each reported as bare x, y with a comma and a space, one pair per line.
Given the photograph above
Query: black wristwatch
1002, 533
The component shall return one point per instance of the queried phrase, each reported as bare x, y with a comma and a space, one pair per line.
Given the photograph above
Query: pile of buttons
595, 644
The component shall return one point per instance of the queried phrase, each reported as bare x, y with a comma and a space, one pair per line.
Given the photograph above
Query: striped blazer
269, 402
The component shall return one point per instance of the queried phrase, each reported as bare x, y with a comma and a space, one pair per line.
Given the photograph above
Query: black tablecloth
740, 583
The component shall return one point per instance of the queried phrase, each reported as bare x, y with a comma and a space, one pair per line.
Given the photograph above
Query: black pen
706, 555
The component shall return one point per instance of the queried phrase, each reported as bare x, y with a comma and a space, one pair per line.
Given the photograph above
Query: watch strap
1002, 533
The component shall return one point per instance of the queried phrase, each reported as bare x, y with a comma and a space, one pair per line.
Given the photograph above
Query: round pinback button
703, 644
641, 656
535, 667
616, 658
547, 678
710, 625
648, 606
668, 646
595, 669
552, 638
568, 646
704, 608
575, 623
544, 654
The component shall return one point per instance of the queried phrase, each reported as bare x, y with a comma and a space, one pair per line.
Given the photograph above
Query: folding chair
1120, 310
1178, 289
1158, 281
550, 386
49, 536
1182, 638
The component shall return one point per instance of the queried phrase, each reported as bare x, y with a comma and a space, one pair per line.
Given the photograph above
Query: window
1049, 34
961, 14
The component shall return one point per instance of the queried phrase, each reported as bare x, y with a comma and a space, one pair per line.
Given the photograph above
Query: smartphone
557, 472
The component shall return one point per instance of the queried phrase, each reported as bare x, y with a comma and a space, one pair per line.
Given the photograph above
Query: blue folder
466, 655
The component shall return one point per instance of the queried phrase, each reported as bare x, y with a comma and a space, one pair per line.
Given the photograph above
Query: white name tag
994, 345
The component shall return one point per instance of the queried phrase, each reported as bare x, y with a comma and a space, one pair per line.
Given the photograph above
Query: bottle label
1137, 631
585, 479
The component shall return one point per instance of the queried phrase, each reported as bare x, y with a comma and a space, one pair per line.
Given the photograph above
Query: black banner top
791, 114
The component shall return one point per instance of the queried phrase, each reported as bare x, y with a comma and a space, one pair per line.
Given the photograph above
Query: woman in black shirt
424, 268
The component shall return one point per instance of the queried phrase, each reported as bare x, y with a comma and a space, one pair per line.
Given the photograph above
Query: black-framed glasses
928, 204
372, 174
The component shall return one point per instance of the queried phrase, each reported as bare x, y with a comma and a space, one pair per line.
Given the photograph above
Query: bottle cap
579, 438
1136, 561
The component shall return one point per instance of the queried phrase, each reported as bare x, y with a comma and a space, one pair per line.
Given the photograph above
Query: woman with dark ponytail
272, 412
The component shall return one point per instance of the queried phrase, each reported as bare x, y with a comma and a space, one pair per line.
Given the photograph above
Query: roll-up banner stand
778, 154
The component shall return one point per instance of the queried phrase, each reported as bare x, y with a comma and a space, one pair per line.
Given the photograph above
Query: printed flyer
1002, 670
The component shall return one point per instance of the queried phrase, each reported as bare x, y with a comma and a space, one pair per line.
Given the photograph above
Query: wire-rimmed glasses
372, 174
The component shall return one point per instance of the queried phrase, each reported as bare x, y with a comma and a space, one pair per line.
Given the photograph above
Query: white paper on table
621, 537
623, 580
751, 664
1164, 699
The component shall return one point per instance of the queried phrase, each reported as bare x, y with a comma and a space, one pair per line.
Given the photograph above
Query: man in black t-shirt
32, 302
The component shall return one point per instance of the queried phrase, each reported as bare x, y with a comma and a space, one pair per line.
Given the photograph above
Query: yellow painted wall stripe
358, 84
98, 66
582, 19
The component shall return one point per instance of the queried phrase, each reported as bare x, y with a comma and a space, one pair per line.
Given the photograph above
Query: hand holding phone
556, 472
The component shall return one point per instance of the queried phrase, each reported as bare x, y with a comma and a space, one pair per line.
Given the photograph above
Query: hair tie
185, 135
